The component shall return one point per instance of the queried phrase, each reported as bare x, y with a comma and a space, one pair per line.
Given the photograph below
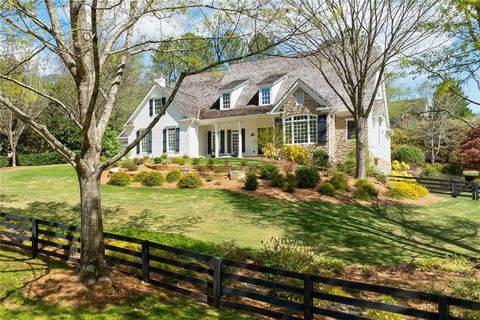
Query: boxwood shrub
268, 171
189, 181
327, 189
251, 182
278, 181
410, 154
119, 179
173, 175
364, 190
149, 179
339, 181
35, 159
307, 176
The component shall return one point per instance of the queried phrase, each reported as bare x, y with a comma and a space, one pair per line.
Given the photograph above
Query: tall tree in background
459, 60
94, 43
356, 41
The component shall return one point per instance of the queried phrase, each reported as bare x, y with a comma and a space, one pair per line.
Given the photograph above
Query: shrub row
406, 190
35, 159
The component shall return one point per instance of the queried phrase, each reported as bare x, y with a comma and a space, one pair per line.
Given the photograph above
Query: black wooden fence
454, 188
220, 282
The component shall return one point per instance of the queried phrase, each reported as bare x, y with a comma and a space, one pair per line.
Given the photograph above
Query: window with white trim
226, 102
145, 143
265, 94
171, 141
300, 129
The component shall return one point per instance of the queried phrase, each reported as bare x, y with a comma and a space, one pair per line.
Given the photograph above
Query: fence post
34, 238
443, 309
454, 190
307, 297
145, 261
217, 281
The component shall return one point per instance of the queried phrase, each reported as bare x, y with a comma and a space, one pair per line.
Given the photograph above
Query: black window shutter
222, 141
229, 141
209, 142
164, 101
322, 128
243, 140
164, 140
177, 139
138, 144
151, 107
149, 141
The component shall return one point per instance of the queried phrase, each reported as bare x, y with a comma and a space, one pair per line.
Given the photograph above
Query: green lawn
357, 234
17, 270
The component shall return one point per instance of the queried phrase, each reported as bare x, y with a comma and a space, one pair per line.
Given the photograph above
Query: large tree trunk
360, 132
14, 157
93, 265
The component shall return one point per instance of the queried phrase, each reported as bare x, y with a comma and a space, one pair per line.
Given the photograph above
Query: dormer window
299, 98
265, 96
225, 102
156, 104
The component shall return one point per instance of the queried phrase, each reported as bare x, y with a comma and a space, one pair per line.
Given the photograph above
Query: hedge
35, 159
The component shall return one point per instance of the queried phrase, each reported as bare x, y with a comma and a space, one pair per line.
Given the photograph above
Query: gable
312, 100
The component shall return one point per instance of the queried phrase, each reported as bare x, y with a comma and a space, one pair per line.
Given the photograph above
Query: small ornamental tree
469, 151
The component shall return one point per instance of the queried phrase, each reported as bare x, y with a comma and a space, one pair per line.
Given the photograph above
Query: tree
30, 104
469, 153
94, 45
356, 41
459, 57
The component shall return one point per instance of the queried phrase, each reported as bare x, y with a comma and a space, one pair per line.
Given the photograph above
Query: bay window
300, 129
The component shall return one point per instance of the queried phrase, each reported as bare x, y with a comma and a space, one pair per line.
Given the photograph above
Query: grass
357, 234
17, 270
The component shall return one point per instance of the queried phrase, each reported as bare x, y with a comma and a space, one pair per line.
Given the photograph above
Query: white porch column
217, 142
240, 142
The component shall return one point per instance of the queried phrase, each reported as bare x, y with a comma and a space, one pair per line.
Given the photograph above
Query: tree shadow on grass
362, 234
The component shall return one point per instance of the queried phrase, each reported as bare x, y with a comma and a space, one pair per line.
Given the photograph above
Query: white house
221, 113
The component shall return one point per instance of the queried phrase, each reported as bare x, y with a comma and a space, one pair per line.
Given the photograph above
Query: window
299, 98
147, 143
350, 129
159, 102
265, 96
300, 129
171, 140
226, 101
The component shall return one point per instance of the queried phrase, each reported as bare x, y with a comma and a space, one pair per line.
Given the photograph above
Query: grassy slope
16, 270
358, 234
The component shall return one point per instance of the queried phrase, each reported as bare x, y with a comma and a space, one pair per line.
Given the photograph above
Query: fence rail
452, 187
220, 282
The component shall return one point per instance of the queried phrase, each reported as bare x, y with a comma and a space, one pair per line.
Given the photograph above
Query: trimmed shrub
278, 181
173, 175
119, 179
139, 161
158, 160
291, 182
320, 158
149, 179
307, 176
327, 189
130, 165
452, 169
410, 154
268, 171
185, 156
294, 153
339, 181
38, 159
195, 161
364, 190
4, 161
406, 190
189, 181
400, 166
178, 160
431, 170
251, 182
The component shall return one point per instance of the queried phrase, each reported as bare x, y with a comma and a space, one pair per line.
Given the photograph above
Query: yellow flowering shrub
399, 166
406, 190
295, 153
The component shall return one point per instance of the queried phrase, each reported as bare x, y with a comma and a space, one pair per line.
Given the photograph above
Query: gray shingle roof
200, 93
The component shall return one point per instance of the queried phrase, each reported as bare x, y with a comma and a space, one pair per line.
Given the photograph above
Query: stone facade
290, 106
